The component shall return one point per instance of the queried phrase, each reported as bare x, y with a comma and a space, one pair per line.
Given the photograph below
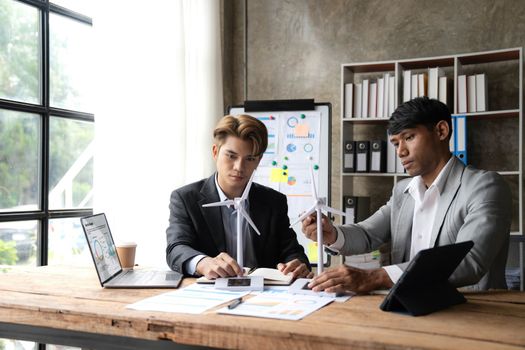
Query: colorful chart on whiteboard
297, 141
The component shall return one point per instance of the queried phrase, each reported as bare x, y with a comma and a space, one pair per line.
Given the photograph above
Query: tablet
424, 287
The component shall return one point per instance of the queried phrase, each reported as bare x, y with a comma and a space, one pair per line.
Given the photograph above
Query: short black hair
419, 111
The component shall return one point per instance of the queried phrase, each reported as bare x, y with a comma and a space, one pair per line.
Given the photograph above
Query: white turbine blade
306, 214
219, 204
335, 211
312, 178
248, 185
247, 218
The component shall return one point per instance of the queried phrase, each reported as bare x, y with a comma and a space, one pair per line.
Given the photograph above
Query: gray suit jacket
474, 205
195, 230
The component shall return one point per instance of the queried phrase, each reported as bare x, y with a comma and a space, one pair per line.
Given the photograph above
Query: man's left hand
347, 278
296, 267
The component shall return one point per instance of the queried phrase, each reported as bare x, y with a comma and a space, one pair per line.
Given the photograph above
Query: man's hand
296, 267
310, 229
222, 265
346, 278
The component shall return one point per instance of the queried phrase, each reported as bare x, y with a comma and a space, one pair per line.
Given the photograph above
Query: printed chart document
194, 299
270, 304
285, 290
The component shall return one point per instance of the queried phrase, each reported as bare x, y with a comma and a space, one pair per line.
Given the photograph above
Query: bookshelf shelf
500, 126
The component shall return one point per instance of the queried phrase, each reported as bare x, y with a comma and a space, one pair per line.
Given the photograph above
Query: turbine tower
318, 206
238, 204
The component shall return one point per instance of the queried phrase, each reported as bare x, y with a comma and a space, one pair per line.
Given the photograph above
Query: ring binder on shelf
349, 156
377, 156
460, 147
363, 156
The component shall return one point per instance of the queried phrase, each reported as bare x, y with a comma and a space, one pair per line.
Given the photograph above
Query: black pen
235, 303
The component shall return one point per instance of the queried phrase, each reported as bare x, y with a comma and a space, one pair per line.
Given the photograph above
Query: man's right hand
310, 229
222, 265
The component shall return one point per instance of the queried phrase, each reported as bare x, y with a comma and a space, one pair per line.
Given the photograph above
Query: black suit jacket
195, 230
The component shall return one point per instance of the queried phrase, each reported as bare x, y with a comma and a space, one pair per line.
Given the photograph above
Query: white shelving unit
504, 73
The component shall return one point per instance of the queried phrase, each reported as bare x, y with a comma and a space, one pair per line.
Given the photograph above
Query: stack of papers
273, 302
194, 299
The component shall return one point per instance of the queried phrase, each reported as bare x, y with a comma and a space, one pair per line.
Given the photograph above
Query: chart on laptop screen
102, 246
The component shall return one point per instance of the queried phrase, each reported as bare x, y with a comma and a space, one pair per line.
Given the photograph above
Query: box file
407, 90
349, 100
356, 209
481, 92
377, 156
364, 103
471, 94
462, 93
362, 156
349, 156
380, 97
461, 138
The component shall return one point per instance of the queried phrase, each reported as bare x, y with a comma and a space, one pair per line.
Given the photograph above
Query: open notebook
272, 277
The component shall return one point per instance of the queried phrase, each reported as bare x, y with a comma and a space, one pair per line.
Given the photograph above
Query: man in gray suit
202, 241
443, 203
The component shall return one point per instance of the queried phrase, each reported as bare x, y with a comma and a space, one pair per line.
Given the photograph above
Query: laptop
107, 263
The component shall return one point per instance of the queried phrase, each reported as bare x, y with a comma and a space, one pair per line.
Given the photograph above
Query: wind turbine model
240, 283
319, 205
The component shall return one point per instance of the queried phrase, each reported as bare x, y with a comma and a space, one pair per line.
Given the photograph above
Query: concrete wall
295, 48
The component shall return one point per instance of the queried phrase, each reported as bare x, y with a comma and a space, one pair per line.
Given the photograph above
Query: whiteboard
297, 141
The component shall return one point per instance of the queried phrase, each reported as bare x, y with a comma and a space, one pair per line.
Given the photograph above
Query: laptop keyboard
172, 276
139, 277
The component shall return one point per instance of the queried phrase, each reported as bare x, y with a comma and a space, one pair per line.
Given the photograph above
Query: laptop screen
102, 246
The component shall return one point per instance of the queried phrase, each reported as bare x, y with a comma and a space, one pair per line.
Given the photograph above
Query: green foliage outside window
8, 253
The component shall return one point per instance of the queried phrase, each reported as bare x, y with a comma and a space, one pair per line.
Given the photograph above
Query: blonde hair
244, 127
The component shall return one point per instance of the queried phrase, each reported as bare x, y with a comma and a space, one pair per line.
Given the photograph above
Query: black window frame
44, 214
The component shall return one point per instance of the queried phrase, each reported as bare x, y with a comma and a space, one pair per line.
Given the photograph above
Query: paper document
194, 299
278, 305
285, 290
271, 276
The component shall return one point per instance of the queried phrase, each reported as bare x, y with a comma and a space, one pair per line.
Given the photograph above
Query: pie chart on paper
292, 180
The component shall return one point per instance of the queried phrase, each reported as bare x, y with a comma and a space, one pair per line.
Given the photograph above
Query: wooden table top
70, 298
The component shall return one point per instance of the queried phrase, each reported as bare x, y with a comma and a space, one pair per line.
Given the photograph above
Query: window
46, 131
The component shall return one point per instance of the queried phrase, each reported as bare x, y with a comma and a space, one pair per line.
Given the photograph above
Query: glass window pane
19, 52
70, 163
18, 242
19, 161
67, 243
70, 63
60, 347
10, 344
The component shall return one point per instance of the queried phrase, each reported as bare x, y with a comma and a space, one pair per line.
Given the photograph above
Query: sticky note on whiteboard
312, 251
278, 175
301, 130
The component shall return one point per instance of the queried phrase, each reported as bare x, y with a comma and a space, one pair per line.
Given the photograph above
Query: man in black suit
201, 241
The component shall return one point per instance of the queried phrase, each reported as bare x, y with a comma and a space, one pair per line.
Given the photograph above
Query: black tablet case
423, 287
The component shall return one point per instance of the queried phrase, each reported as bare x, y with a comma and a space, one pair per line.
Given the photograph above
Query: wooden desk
44, 303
